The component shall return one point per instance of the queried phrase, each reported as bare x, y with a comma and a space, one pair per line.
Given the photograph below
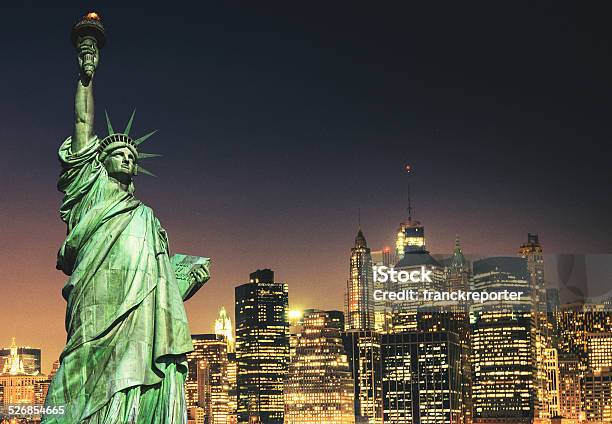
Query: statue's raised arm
88, 54
88, 38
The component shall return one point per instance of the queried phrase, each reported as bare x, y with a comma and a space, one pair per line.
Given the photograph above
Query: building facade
28, 359
363, 350
360, 288
503, 345
262, 348
421, 378
319, 387
207, 384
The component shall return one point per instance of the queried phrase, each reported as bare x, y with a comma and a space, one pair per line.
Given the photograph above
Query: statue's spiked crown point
117, 140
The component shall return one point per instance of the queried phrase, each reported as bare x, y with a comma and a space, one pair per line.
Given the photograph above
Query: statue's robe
125, 357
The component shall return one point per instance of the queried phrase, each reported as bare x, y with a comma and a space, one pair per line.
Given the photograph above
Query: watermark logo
383, 274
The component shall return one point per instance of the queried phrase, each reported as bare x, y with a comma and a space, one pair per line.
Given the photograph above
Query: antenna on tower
408, 169
359, 217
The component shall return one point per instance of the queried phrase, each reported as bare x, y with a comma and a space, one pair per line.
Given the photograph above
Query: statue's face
120, 164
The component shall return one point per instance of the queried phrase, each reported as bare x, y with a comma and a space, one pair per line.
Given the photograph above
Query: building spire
408, 169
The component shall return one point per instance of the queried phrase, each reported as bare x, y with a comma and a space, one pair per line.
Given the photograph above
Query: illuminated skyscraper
599, 351
410, 236
421, 378
576, 321
404, 312
570, 376
232, 376
360, 288
363, 350
454, 317
319, 388
223, 327
503, 340
362, 343
262, 348
22, 359
545, 400
597, 395
207, 384
383, 307
20, 380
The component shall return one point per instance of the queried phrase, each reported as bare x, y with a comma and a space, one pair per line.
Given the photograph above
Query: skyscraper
597, 395
319, 388
415, 258
207, 383
545, 399
360, 287
20, 379
223, 327
570, 376
421, 377
23, 359
363, 350
362, 342
457, 277
383, 307
599, 351
410, 235
576, 321
503, 344
262, 348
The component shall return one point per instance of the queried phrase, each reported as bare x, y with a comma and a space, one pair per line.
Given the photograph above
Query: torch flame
93, 15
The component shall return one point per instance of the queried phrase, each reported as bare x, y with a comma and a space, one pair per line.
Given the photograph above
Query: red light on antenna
408, 168
387, 249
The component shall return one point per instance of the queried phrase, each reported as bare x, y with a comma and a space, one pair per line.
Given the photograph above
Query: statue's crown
115, 140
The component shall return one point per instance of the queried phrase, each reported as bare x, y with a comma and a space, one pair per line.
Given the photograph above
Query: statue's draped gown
125, 357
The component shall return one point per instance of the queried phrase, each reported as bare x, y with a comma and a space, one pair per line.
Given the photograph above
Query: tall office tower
551, 368
363, 350
597, 396
415, 258
360, 288
383, 307
232, 375
362, 343
454, 316
20, 379
410, 235
262, 348
223, 327
599, 351
544, 400
570, 376
576, 321
20, 356
207, 383
319, 387
503, 344
421, 378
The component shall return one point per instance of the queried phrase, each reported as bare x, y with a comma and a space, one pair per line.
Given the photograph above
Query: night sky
279, 121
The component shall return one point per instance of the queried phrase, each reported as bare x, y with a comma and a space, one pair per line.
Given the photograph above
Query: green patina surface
125, 357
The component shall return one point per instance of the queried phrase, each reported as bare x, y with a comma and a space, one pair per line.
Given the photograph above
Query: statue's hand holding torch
88, 37
88, 55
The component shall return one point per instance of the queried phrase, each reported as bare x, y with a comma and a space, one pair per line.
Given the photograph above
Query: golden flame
93, 15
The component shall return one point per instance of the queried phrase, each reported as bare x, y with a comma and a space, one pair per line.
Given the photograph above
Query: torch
89, 26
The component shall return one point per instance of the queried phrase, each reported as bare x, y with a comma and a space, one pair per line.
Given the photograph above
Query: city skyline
382, 94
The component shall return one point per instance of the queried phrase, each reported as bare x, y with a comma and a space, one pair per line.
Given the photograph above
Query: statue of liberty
125, 356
